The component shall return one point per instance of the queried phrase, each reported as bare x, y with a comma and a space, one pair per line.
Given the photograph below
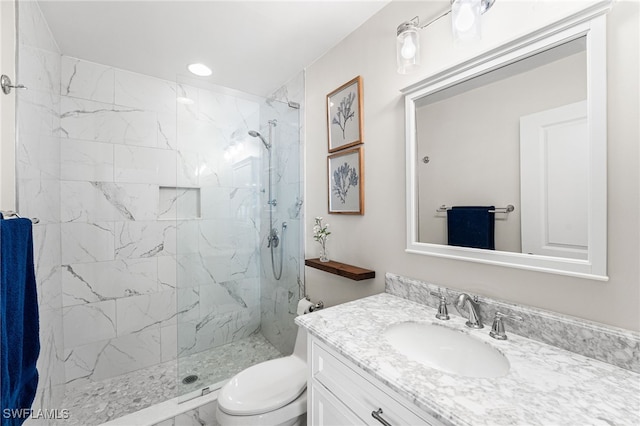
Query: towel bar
8, 214
508, 209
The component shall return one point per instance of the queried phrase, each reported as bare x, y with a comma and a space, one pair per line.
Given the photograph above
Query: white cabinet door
554, 182
359, 393
326, 410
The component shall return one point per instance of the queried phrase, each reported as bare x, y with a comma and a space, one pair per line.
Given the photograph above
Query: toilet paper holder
315, 306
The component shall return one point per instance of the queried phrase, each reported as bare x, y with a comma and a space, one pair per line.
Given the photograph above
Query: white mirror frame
590, 23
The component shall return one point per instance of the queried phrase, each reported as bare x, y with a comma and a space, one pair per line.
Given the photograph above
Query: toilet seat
264, 387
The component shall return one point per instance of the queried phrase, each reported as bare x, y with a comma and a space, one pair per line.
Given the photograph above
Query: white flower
320, 232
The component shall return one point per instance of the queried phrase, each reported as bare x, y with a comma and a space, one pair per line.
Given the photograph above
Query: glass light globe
465, 18
408, 50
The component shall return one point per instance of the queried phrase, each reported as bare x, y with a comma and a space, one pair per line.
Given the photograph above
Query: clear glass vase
324, 254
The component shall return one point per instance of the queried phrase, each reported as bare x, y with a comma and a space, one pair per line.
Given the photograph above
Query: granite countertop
545, 385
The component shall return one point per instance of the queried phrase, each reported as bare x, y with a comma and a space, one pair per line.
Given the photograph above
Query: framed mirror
507, 154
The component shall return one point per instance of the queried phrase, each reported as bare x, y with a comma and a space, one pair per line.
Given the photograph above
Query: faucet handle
497, 329
443, 313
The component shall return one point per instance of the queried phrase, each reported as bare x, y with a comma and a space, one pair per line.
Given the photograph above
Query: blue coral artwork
344, 109
346, 182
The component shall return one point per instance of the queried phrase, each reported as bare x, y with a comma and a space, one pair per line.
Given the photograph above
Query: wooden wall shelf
342, 269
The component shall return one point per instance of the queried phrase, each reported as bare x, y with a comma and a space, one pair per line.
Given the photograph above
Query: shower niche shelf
342, 269
178, 203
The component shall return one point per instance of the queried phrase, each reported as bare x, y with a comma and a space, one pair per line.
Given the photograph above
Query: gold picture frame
345, 170
344, 115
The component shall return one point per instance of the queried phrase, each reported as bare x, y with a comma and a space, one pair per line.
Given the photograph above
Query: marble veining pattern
86, 80
609, 344
88, 283
545, 385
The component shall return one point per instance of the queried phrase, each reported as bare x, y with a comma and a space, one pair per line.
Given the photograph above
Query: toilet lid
264, 387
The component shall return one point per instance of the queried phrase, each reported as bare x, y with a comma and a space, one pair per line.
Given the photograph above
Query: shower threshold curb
164, 411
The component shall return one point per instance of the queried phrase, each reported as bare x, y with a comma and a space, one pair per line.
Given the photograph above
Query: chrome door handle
378, 416
6, 85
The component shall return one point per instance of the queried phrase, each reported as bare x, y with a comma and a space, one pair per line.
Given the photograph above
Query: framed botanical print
344, 115
346, 181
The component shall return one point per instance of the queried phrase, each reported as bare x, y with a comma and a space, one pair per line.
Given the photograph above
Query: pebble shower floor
99, 402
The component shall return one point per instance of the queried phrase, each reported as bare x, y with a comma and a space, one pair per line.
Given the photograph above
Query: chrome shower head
255, 134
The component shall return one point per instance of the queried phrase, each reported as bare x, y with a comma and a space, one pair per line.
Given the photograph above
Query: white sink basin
447, 350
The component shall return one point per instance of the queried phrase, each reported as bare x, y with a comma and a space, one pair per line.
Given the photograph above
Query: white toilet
272, 393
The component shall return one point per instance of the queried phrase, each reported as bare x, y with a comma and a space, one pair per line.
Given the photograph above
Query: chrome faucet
473, 314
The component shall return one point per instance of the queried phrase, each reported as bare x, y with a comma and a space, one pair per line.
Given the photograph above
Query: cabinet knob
378, 416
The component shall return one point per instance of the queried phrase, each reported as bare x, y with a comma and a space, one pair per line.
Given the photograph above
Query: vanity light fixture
201, 70
408, 46
465, 25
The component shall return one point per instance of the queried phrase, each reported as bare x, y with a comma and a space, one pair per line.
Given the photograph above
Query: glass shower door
217, 205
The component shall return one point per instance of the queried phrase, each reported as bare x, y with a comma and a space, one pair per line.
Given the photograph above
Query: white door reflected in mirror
554, 179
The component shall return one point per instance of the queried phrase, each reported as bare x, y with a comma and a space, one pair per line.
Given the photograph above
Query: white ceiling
252, 46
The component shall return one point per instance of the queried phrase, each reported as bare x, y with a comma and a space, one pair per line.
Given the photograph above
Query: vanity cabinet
342, 394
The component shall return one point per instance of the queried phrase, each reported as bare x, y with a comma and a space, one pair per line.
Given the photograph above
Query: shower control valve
273, 239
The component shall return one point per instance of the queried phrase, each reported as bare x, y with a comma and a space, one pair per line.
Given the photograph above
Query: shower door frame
8, 107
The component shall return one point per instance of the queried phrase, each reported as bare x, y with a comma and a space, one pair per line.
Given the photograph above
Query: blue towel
471, 226
19, 324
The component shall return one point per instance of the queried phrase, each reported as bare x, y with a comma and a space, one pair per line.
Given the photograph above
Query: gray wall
377, 239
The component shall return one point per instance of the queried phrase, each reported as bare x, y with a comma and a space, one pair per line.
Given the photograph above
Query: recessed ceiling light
201, 70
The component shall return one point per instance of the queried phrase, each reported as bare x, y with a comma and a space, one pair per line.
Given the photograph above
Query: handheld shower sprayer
255, 134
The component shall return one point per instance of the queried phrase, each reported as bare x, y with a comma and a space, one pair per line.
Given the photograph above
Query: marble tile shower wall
280, 297
133, 246
38, 176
